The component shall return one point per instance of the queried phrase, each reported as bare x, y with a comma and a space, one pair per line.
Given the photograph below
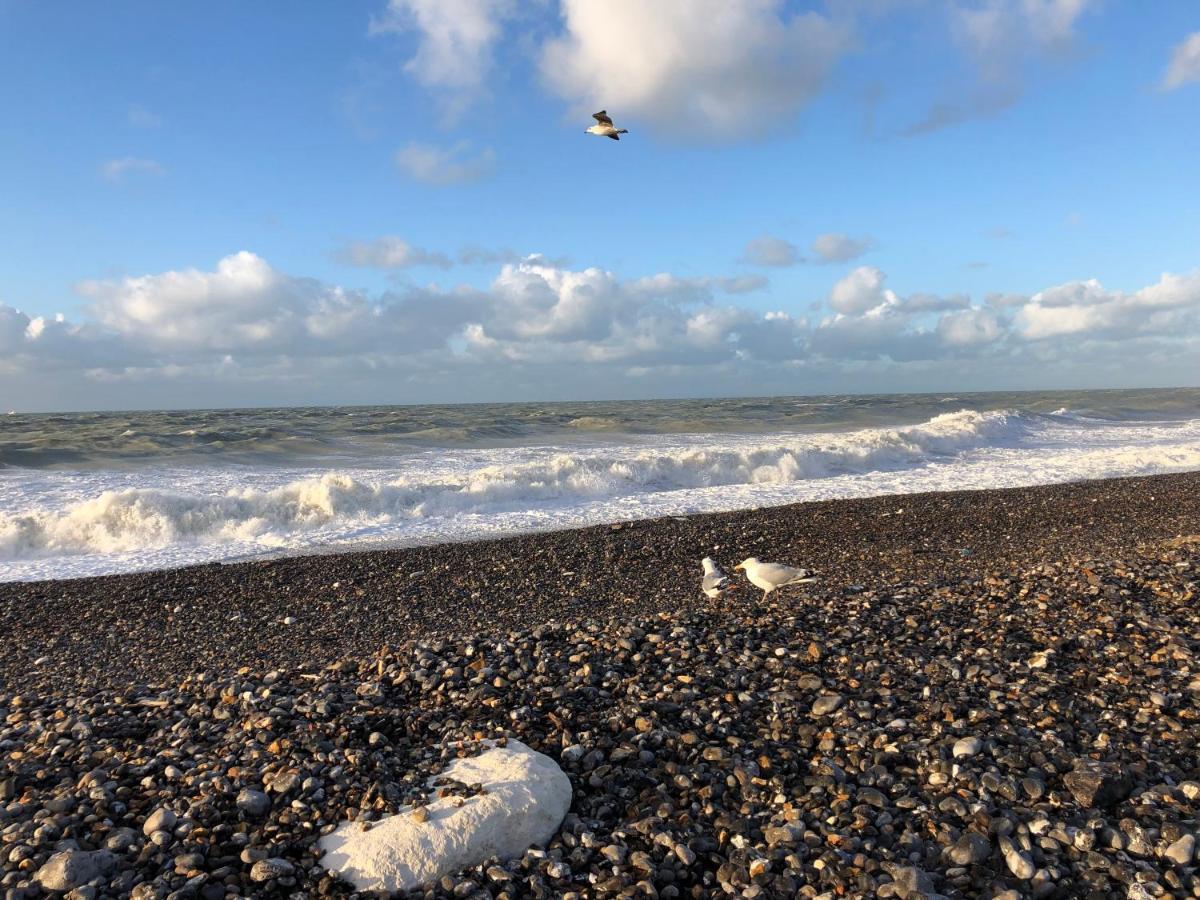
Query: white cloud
922, 302
1185, 63
117, 169
443, 166
771, 251
256, 331
456, 37
841, 247
1170, 306
860, 291
707, 69
390, 252
968, 327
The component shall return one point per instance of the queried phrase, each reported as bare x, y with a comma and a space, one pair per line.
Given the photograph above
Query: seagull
715, 581
770, 576
604, 127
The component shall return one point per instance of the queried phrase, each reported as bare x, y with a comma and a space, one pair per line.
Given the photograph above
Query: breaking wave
482, 490
131, 519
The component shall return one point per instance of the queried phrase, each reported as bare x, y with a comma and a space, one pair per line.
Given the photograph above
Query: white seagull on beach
769, 576
715, 581
604, 127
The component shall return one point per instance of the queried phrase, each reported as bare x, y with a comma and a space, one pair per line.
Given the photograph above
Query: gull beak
738, 566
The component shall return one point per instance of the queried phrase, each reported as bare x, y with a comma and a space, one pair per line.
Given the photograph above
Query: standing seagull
604, 127
715, 581
769, 576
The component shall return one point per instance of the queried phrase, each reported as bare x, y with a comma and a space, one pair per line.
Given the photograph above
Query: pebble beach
986, 694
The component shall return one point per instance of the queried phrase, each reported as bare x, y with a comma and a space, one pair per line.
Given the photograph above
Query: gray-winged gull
770, 576
604, 127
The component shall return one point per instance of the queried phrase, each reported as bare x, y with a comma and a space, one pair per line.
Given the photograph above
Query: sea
85, 494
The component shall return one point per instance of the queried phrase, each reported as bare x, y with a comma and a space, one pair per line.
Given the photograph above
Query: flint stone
1182, 851
253, 803
968, 746
266, 869
969, 850
162, 819
1098, 784
1018, 862
70, 869
829, 703
910, 882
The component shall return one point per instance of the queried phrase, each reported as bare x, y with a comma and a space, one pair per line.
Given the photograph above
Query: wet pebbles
902, 729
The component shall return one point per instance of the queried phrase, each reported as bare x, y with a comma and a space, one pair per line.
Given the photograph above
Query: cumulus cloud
455, 44
117, 169
771, 251
253, 328
840, 247
443, 166
390, 252
861, 291
967, 327
706, 69
1086, 307
1185, 63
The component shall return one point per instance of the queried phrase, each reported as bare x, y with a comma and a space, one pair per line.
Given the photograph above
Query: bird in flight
604, 127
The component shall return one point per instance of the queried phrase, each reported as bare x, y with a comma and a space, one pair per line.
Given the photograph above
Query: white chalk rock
525, 797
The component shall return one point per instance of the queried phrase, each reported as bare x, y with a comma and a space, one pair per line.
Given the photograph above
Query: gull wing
602, 117
779, 574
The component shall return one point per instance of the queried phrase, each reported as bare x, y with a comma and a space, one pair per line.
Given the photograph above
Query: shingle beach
987, 694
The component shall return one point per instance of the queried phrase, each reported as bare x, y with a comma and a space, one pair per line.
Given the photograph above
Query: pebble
69, 869
712, 752
1181, 851
253, 803
1018, 862
968, 746
266, 869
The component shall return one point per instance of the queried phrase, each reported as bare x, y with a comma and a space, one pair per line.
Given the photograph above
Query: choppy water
91, 493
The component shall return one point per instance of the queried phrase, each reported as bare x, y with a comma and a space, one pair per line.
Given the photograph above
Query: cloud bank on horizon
245, 323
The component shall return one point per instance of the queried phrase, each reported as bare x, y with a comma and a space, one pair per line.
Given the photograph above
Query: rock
524, 796
120, 839
969, 850
1182, 851
968, 746
274, 867
910, 881
70, 869
1095, 784
1018, 862
162, 819
253, 803
827, 703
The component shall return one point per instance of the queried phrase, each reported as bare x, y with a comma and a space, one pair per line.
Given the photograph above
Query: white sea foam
66, 524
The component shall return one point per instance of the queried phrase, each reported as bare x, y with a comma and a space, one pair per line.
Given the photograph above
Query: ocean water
94, 493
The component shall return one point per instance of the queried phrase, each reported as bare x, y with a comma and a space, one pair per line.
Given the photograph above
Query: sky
395, 201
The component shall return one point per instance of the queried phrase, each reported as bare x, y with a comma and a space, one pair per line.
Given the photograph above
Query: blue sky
144, 141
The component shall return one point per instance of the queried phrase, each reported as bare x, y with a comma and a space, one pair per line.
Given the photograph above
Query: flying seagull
715, 581
769, 576
604, 127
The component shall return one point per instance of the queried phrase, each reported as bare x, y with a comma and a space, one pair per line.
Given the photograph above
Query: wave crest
146, 518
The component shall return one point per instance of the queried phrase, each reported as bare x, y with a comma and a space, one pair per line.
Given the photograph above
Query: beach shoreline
355, 602
987, 694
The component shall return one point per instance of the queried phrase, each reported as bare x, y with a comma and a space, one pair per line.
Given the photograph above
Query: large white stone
525, 797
